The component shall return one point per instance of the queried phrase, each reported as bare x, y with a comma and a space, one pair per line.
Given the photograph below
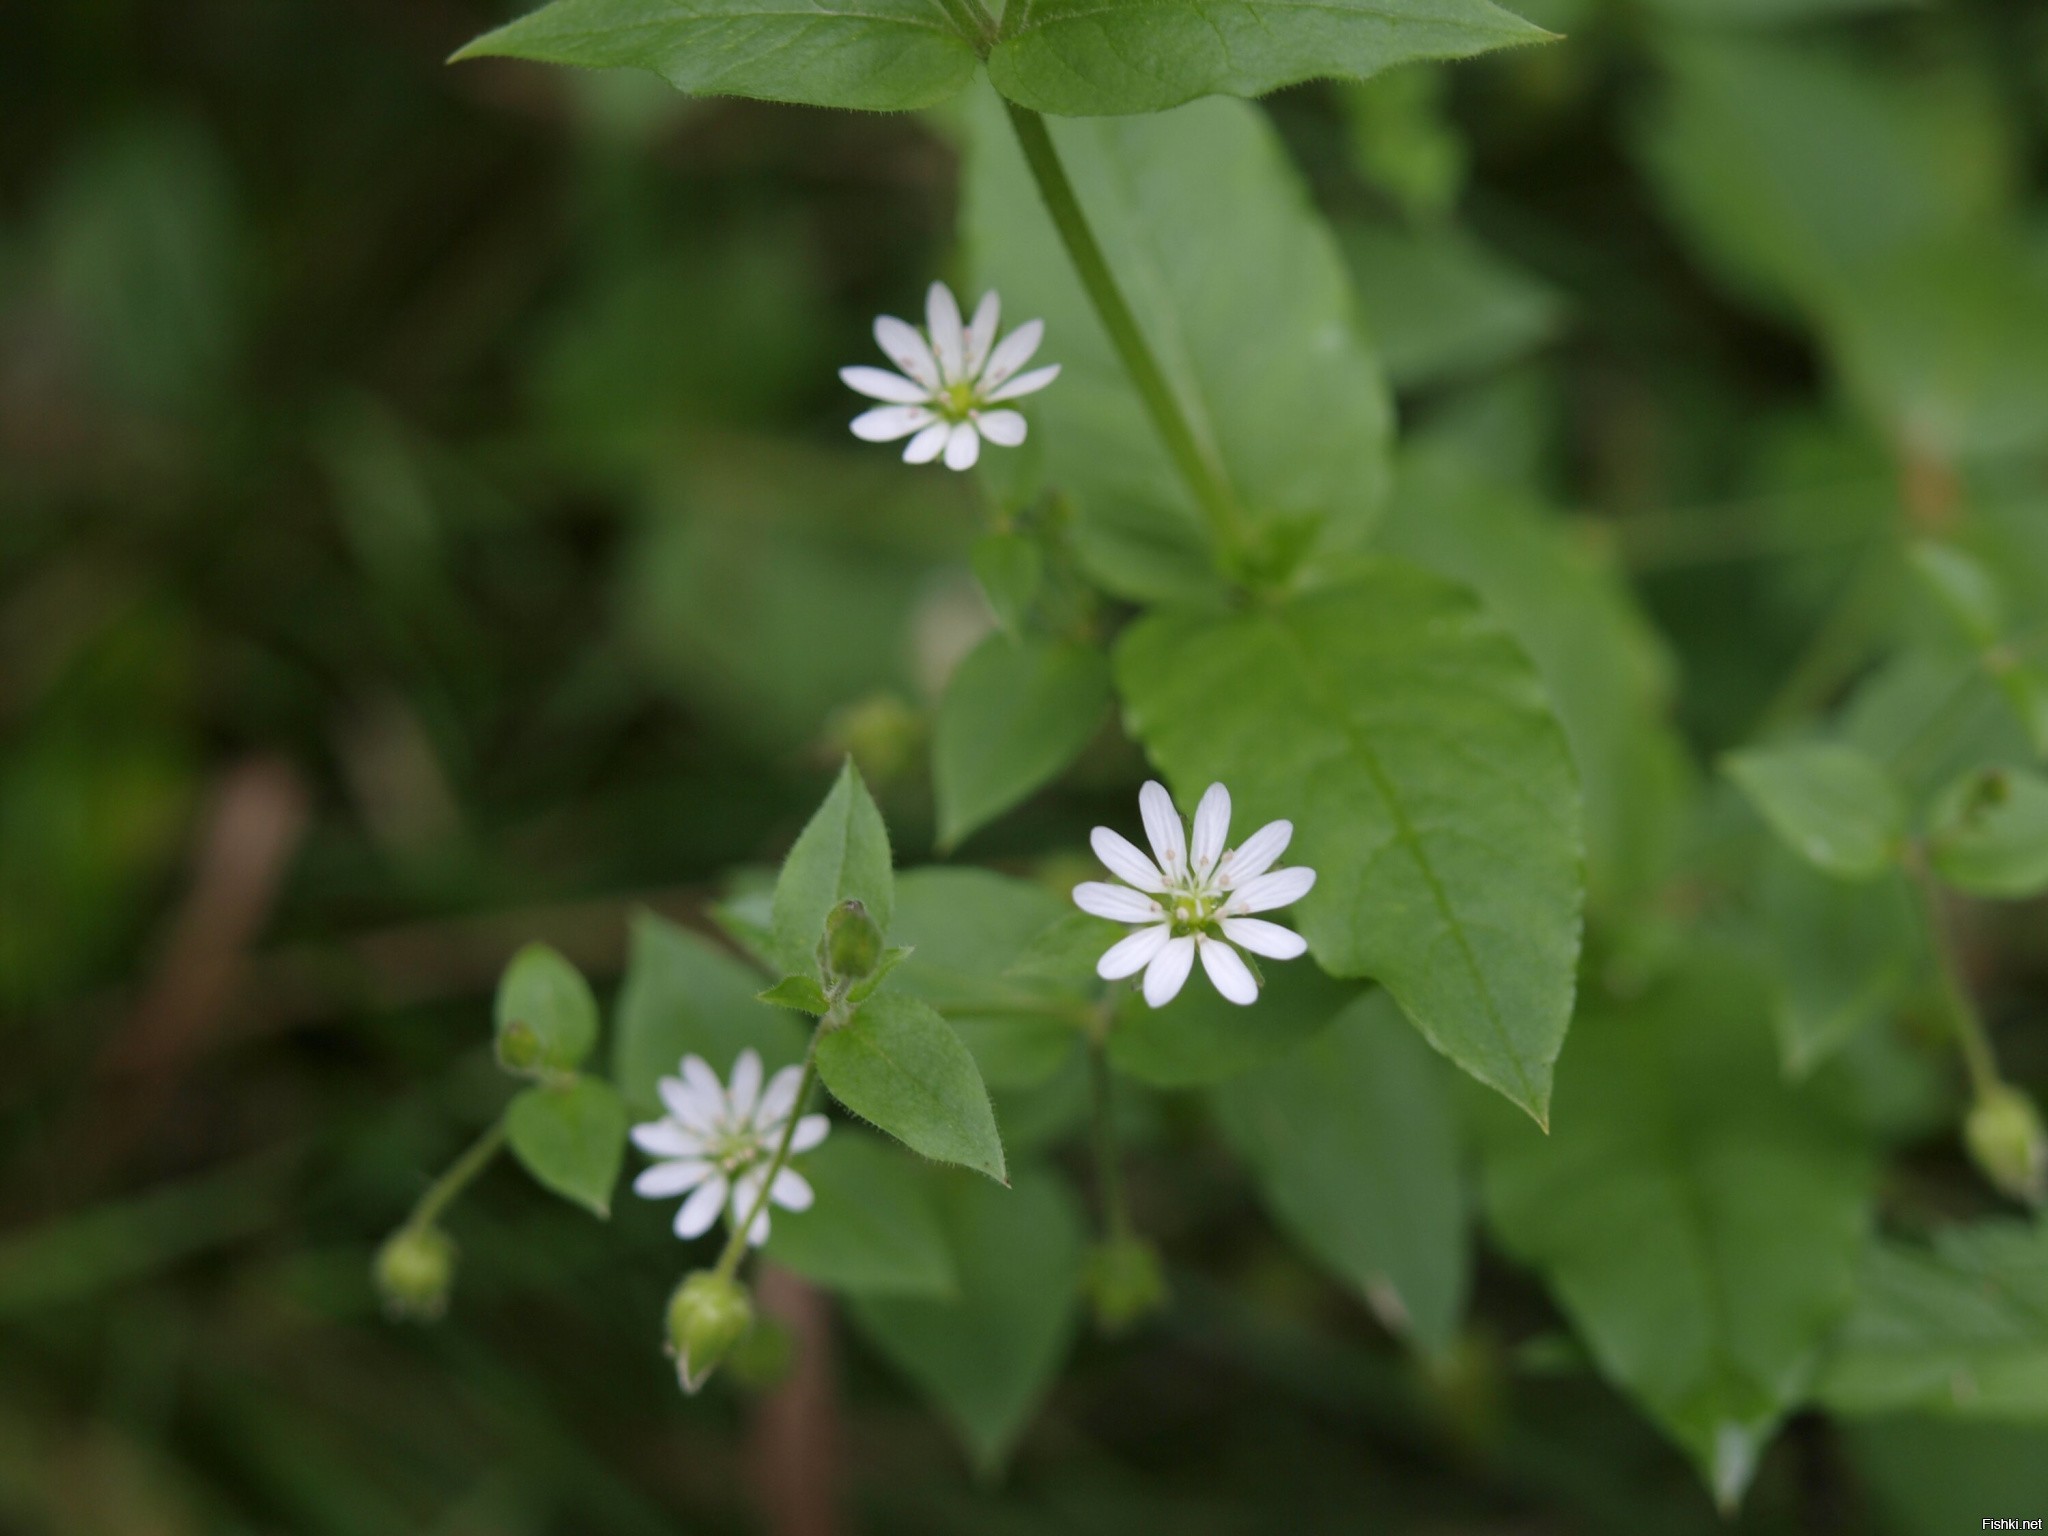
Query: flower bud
707, 1316
2004, 1135
1125, 1283
519, 1048
853, 942
415, 1270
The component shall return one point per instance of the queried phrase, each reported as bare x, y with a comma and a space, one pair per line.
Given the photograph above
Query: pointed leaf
1015, 714
1990, 834
901, 1067
546, 1016
798, 993
572, 1138
841, 855
1833, 805
874, 1228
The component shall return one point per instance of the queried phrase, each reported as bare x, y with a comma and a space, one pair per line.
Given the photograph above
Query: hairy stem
458, 1177
1191, 456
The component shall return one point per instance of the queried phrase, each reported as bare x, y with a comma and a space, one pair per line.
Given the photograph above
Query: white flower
1195, 902
715, 1144
941, 399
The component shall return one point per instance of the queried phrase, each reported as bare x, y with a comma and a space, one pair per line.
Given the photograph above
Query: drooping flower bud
2006, 1141
1125, 1283
415, 1270
707, 1316
853, 942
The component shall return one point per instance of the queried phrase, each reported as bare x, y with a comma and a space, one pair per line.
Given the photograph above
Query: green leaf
1833, 805
1967, 592
572, 1138
1843, 955
1083, 58
1990, 834
1440, 305
546, 1016
841, 855
1198, 1039
899, 1065
684, 996
800, 993
879, 56
1353, 1143
1431, 789
1066, 950
1011, 569
1250, 317
1699, 1220
874, 1228
1933, 1477
987, 1358
1961, 1329
1015, 714
871, 983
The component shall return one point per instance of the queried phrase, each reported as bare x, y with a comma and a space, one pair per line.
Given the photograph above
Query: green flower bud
707, 1316
519, 1048
1125, 1283
853, 942
415, 1269
2004, 1135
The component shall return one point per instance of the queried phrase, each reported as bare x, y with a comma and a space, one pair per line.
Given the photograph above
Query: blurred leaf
1759, 13
842, 854
1353, 1143
572, 1138
1843, 955
1404, 142
799, 993
1698, 1220
1410, 742
1199, 1039
1010, 568
1441, 306
1990, 834
1250, 315
1929, 1477
545, 1013
988, 1358
1083, 59
874, 1229
1015, 715
1831, 804
1967, 592
899, 1066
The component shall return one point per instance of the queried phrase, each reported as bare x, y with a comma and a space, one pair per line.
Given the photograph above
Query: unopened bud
2004, 1135
853, 942
1125, 1283
520, 1048
415, 1270
707, 1316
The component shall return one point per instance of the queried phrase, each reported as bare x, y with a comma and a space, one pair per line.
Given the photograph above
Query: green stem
736, 1245
1109, 1176
460, 1173
1964, 1019
1196, 462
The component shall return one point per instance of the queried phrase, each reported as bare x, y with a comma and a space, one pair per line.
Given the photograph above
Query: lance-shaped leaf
874, 55
1698, 1219
1087, 58
841, 855
1016, 713
1833, 805
545, 1015
1431, 789
901, 1067
572, 1138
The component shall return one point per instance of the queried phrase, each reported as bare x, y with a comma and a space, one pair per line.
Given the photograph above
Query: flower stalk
458, 1176
736, 1244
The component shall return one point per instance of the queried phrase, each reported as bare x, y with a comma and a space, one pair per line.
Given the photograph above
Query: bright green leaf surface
1832, 805
987, 1358
572, 1138
901, 1067
1250, 317
1088, 58
1991, 834
799, 993
874, 1228
1353, 1144
685, 996
841, 855
1410, 742
876, 56
1699, 1220
546, 1016
1199, 1039
1016, 713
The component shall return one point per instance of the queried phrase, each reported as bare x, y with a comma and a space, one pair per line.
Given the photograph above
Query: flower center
956, 401
733, 1150
1192, 909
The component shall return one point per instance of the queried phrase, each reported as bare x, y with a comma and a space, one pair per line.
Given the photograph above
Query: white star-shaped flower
715, 1144
1195, 901
941, 400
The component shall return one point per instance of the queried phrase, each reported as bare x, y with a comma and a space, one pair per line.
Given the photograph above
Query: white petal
746, 1199
664, 1138
1011, 353
809, 1132
664, 1180
791, 1191
928, 444
881, 384
963, 447
746, 1085
886, 423
908, 350
1118, 903
1030, 384
780, 1098
1128, 956
705, 1091
1228, 971
1005, 429
1281, 888
1169, 968
1257, 854
1124, 860
1163, 829
698, 1212
1212, 830
1264, 938
981, 332
949, 341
